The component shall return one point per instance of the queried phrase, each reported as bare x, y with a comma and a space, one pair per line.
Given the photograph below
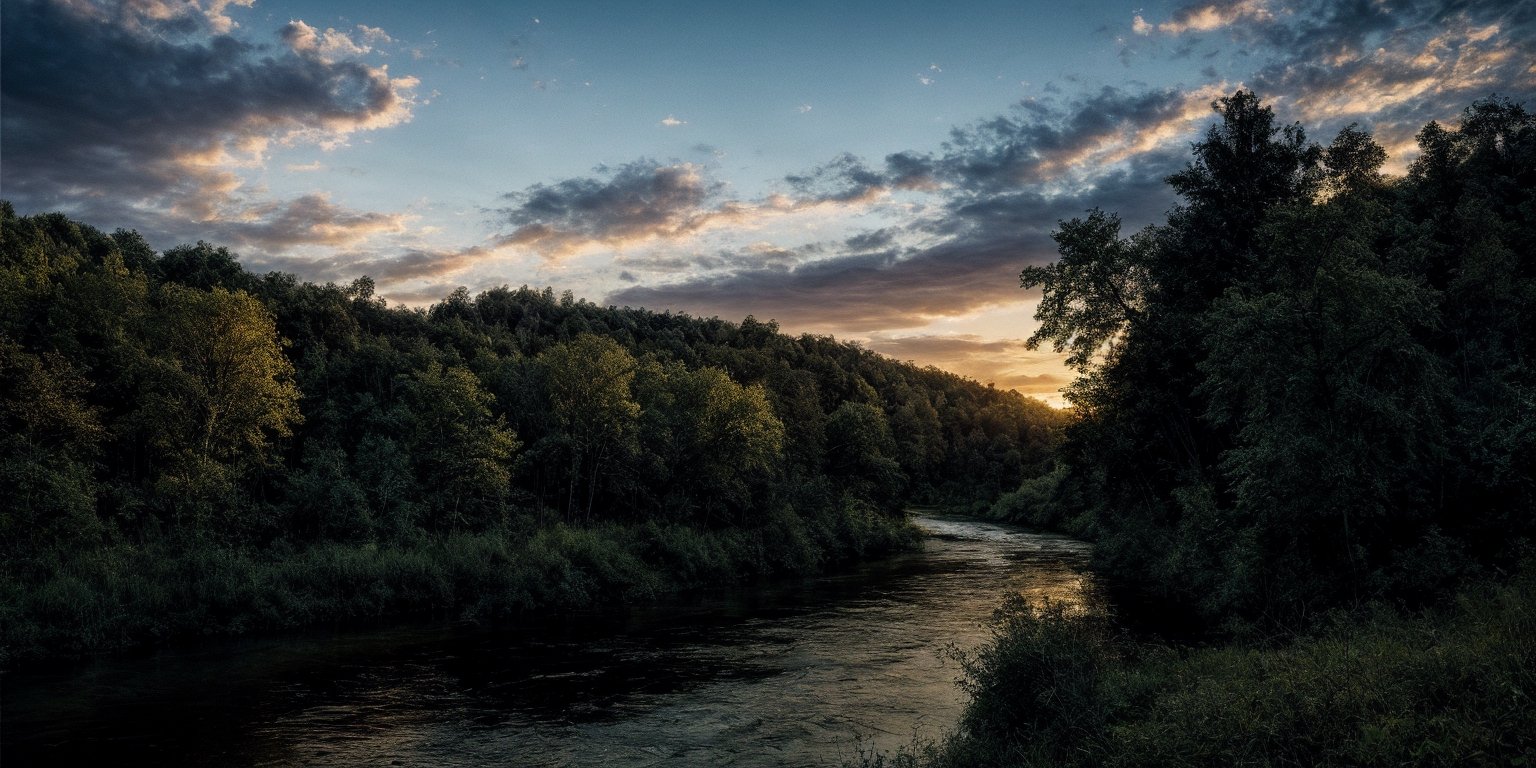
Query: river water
803, 673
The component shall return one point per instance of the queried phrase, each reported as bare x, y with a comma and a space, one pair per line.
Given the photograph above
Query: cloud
671, 122
163, 17
374, 35
1205, 17
636, 201
328, 46
999, 200
645, 200
845, 178
411, 265
1040, 145
1008, 363
999, 186
1399, 65
860, 291
275, 227
140, 113
1392, 64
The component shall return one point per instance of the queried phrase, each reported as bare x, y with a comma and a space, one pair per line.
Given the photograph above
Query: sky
879, 171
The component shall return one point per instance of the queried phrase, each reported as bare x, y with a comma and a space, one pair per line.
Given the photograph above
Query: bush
1380, 689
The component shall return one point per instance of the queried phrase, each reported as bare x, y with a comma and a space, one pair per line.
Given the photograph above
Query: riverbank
788, 671
122, 597
1451, 686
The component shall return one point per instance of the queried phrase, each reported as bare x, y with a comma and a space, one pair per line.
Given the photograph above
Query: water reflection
795, 674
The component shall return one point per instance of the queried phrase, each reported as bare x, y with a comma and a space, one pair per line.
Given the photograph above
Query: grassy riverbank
121, 597
1451, 686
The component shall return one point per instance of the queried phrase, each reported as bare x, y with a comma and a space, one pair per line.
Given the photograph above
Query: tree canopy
1312, 385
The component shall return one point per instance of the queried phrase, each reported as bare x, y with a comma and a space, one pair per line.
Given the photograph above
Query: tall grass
126, 595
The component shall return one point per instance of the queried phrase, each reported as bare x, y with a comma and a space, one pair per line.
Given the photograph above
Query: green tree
861, 452
49, 439
588, 381
725, 440
226, 383
464, 452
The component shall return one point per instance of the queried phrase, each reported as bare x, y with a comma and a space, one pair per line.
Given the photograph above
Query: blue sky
876, 170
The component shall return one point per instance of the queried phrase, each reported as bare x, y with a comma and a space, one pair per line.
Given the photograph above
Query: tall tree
589, 380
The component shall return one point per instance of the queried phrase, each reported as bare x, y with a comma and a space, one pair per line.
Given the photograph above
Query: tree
49, 439
723, 439
225, 385
1095, 292
464, 452
861, 452
588, 382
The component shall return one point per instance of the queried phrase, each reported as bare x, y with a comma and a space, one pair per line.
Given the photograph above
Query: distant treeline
1308, 423
167, 411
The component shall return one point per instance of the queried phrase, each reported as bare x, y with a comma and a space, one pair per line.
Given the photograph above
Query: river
801, 673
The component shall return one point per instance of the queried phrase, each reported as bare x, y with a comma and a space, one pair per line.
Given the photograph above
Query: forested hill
176, 403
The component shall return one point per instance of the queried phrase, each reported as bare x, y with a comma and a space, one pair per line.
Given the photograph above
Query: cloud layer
141, 113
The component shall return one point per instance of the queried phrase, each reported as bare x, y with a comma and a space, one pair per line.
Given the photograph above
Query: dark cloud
1393, 64
870, 241
909, 170
847, 179
430, 294
134, 113
1037, 144
1003, 183
843, 179
274, 227
635, 201
863, 291
983, 234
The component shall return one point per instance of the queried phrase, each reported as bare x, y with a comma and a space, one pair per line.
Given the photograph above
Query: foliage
1311, 386
1451, 687
177, 406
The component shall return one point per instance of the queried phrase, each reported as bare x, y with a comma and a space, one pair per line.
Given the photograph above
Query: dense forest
1307, 425
189, 448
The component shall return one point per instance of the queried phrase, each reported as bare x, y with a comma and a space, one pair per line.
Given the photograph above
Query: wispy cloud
671, 122
647, 201
391, 272
1205, 17
1008, 363
999, 185
276, 226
